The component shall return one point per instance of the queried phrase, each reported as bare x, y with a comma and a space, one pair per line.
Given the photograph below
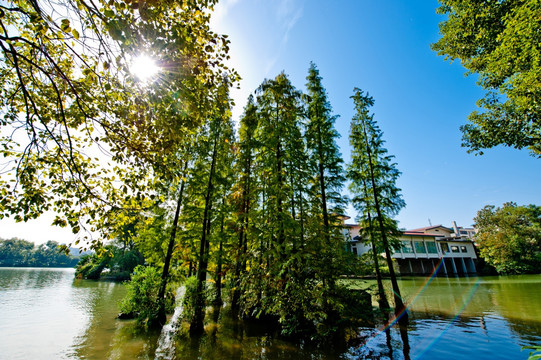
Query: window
431, 247
463, 249
420, 247
354, 249
406, 247
444, 247
454, 249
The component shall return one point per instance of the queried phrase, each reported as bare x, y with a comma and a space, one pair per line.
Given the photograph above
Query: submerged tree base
226, 336
329, 323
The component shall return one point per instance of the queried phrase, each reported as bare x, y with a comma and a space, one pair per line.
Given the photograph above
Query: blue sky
382, 47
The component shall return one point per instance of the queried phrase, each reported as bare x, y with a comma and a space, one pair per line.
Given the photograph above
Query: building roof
419, 233
453, 238
423, 229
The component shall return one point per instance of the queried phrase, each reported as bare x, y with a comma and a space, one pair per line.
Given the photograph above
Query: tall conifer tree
373, 176
279, 111
215, 147
325, 166
244, 193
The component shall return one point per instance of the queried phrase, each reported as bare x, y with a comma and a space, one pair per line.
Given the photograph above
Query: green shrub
190, 297
142, 297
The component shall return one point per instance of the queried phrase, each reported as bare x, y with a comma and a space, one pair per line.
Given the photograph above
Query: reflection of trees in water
105, 336
228, 338
496, 304
31, 278
388, 343
515, 298
405, 341
518, 300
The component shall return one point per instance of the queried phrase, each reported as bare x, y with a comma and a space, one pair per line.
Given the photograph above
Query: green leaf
65, 25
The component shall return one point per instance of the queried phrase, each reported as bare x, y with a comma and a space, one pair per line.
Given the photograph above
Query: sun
144, 67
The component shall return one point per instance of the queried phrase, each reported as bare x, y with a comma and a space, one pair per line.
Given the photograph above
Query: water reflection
32, 280
105, 336
515, 300
482, 318
228, 338
485, 318
405, 341
39, 319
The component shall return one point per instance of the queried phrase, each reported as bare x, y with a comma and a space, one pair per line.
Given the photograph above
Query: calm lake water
47, 314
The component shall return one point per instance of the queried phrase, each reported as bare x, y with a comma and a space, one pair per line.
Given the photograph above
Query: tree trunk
382, 298
400, 309
321, 168
218, 300
165, 273
196, 326
240, 266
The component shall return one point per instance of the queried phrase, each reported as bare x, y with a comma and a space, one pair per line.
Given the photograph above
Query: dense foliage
157, 166
501, 42
81, 135
509, 238
22, 253
111, 262
290, 249
141, 300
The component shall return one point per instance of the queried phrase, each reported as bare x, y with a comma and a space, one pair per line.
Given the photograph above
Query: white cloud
221, 10
288, 13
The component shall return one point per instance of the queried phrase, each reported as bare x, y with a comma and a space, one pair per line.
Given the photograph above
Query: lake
47, 314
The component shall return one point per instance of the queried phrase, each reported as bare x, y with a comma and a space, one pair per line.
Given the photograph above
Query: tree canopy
22, 253
501, 42
509, 237
81, 135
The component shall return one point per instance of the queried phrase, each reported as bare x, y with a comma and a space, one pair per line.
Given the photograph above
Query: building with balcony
425, 250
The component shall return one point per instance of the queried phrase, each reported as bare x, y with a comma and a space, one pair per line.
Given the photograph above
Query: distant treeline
22, 253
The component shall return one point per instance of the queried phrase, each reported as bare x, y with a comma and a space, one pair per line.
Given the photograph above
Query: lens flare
144, 67
469, 292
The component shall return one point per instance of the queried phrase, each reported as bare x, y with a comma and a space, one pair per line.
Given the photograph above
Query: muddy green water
47, 314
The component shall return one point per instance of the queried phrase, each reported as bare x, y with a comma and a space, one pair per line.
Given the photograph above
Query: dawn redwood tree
501, 42
215, 156
325, 167
222, 232
244, 194
292, 259
362, 201
170, 247
278, 111
275, 238
325, 159
373, 173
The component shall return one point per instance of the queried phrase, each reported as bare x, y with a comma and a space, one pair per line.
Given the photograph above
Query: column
454, 266
464, 266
